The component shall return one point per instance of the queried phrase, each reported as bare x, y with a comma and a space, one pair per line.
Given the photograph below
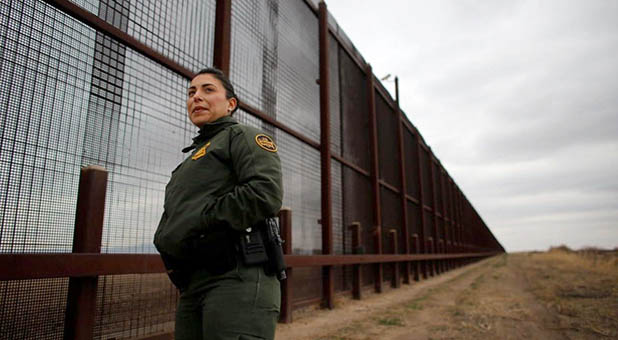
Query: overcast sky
518, 100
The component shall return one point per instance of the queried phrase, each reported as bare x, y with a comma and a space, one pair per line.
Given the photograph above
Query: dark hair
225, 81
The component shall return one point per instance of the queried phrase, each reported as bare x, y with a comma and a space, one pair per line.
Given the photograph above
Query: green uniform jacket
231, 181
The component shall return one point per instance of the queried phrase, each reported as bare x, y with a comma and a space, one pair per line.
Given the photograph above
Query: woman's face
206, 100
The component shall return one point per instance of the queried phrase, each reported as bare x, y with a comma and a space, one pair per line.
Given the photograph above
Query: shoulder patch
265, 142
201, 152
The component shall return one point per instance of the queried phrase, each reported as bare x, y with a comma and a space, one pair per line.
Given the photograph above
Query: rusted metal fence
385, 210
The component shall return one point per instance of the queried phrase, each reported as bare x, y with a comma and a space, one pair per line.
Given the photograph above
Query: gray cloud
517, 99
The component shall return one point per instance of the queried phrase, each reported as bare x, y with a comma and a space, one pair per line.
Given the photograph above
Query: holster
261, 245
252, 248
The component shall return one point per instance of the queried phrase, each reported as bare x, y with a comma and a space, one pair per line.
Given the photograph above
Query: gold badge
265, 142
201, 152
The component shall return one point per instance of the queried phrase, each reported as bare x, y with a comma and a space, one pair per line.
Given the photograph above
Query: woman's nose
197, 97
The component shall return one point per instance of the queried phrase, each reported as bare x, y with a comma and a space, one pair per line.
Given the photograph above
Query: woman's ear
231, 104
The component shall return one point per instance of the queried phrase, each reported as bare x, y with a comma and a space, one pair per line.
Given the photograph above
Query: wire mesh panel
451, 211
411, 163
33, 309
89, 5
300, 165
437, 183
307, 283
414, 221
45, 70
342, 238
253, 60
440, 227
429, 229
132, 306
334, 99
426, 177
451, 200
141, 126
466, 221
358, 206
90, 100
391, 219
298, 93
354, 112
168, 27
46, 64
150, 128
274, 61
388, 143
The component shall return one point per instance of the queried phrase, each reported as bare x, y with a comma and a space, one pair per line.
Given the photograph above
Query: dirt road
553, 295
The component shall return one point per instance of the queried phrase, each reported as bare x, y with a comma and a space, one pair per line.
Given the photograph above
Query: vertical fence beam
82, 294
421, 202
356, 269
416, 250
449, 250
328, 280
375, 185
431, 250
457, 218
223, 35
396, 282
285, 221
456, 243
434, 211
445, 219
453, 247
462, 241
441, 251
403, 189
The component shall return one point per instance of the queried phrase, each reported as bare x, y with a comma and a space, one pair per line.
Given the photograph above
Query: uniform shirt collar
208, 130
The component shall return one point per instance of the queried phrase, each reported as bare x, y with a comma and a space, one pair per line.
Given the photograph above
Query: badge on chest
200, 153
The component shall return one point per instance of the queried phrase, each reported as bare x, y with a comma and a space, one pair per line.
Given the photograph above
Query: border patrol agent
231, 181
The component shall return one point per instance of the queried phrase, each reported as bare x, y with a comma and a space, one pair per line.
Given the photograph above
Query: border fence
102, 82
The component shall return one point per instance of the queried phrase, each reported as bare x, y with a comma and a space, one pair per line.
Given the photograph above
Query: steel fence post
328, 280
223, 35
396, 282
375, 184
81, 298
417, 250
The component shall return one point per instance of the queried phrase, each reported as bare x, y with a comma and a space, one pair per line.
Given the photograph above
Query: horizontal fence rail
53, 265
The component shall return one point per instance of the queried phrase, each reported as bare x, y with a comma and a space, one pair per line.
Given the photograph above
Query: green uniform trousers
241, 304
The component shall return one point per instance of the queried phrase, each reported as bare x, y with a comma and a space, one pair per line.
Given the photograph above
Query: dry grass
593, 259
558, 294
581, 287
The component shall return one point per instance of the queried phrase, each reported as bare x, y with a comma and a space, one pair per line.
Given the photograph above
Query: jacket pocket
215, 250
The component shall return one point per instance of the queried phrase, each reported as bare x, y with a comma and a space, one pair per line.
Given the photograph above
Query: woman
230, 182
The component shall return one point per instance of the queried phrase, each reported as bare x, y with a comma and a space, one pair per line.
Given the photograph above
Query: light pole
385, 78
